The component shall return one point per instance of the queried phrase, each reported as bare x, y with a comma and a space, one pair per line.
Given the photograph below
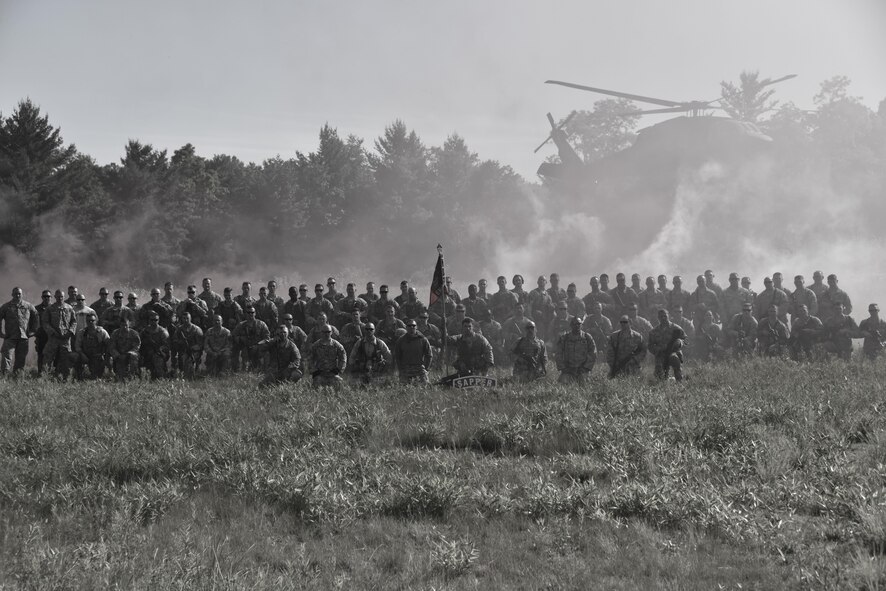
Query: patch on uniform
474, 382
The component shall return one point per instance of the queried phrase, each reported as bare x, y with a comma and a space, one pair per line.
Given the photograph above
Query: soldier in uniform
772, 334
246, 336
284, 359
102, 303
42, 338
81, 310
663, 286
805, 330
159, 307
187, 346
91, 349
211, 299
303, 293
456, 297
576, 354
712, 285
370, 358
245, 299
599, 327
217, 346
512, 328
529, 355
625, 351
873, 329
833, 295
839, 330
597, 295
818, 286
474, 356
746, 283
331, 294
560, 324
412, 307
742, 331
132, 306
638, 323
635, 283
388, 327
491, 329
352, 332
155, 352
770, 297
230, 311
297, 308
802, 296
377, 311
622, 295
272, 296
541, 307
501, 303
651, 300
61, 326
522, 295
18, 323
296, 335
575, 306
266, 310
370, 295
703, 299
481, 291
433, 334
474, 306
708, 343
317, 332
557, 293
678, 296
733, 299
328, 360
72, 295
320, 304
112, 319
666, 345
168, 296
412, 355
346, 306
123, 347
404, 293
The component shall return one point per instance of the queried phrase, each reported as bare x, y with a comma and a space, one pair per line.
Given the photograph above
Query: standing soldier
541, 307
772, 334
456, 297
638, 323
576, 354
169, 296
154, 347
512, 328
663, 286
297, 308
491, 329
481, 291
434, 336
679, 296
874, 332
818, 287
575, 306
266, 310
522, 295
42, 338
622, 295
746, 283
245, 298
501, 302
651, 300
404, 293
599, 327
328, 360
412, 355
805, 330
331, 294
159, 307
272, 295
194, 306
229, 310
317, 332
72, 295
712, 285
378, 310
666, 345
124, 346
81, 310
319, 304
560, 324
625, 351
412, 307
112, 319
346, 306
703, 299
91, 347
370, 358
597, 295
833, 295
18, 323
102, 303
529, 355
217, 345
733, 299
246, 337
557, 293
61, 326
132, 306
839, 331
635, 283
211, 299
767, 298
742, 331
474, 356
187, 346
352, 332
370, 295
388, 327
284, 359
803, 296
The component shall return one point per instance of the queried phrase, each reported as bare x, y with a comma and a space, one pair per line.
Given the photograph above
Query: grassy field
764, 475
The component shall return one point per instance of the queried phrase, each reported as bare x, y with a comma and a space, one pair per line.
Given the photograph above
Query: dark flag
437, 283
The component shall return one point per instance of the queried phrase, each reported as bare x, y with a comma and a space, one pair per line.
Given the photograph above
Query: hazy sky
256, 79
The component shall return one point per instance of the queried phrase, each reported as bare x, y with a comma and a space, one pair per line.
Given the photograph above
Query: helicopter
645, 175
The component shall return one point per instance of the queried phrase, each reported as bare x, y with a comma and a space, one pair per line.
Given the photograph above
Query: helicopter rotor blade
633, 97
652, 111
551, 121
777, 80
541, 145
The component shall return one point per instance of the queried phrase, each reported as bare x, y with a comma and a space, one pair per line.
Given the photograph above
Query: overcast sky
256, 79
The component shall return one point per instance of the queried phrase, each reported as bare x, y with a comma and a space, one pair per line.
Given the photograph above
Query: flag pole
443, 291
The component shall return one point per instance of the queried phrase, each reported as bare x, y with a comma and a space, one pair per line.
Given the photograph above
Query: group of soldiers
370, 336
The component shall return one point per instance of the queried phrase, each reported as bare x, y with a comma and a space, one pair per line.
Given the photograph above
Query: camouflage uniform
772, 337
18, 323
650, 301
411, 309
298, 309
839, 331
231, 313
771, 296
187, 348
742, 334
575, 306
349, 334
112, 319
41, 337
831, 297
530, 358
246, 337
245, 301
476, 307
387, 330
803, 296
316, 334
284, 362
576, 356
703, 299
217, 346
212, 300
474, 355
61, 325
679, 297
804, 333
196, 308
161, 308
625, 352
328, 361
732, 301
501, 303
599, 327
491, 329
666, 345
370, 359
541, 310
622, 299
266, 311
707, 344
413, 356
603, 298
874, 332
154, 351
91, 349
100, 305
123, 347
512, 330
640, 324
377, 309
